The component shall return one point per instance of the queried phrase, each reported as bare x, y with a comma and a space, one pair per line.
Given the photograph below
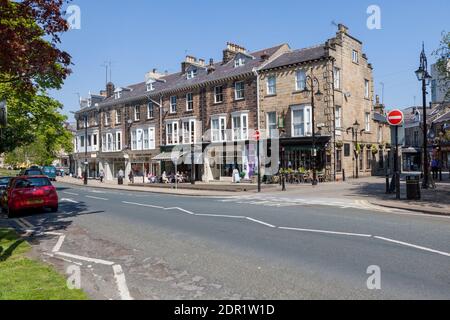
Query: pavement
368, 189
143, 245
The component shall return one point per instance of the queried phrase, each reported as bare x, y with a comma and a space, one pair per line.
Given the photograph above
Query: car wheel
54, 209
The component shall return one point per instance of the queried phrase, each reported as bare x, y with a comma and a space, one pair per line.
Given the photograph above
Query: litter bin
120, 180
413, 187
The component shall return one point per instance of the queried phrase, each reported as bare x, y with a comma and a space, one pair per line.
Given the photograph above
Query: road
245, 247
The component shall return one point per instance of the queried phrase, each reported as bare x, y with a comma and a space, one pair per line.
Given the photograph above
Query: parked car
32, 171
29, 192
4, 181
50, 172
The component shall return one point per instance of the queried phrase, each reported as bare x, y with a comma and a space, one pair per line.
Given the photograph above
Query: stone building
207, 113
343, 92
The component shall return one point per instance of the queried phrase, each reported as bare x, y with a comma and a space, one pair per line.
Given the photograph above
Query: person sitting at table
164, 178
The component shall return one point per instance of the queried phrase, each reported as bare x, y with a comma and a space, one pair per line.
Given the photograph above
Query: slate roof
177, 81
298, 56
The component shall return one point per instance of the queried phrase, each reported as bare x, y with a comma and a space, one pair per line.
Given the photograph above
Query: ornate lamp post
313, 83
423, 76
355, 132
281, 130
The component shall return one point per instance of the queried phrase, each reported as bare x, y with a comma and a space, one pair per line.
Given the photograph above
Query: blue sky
139, 35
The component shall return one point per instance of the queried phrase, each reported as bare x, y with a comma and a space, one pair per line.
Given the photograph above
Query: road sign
395, 118
257, 135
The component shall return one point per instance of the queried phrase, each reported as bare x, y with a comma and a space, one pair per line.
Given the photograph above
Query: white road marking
121, 282
87, 259
97, 198
180, 209
58, 245
26, 222
143, 205
23, 226
68, 200
261, 222
414, 246
219, 216
361, 235
328, 232
71, 193
63, 259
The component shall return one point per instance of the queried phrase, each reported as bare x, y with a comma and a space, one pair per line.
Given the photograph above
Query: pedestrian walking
131, 176
102, 175
435, 168
120, 177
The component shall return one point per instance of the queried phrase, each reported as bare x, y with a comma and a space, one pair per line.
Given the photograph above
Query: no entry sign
395, 118
257, 135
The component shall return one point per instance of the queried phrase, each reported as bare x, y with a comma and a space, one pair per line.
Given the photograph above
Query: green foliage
25, 279
36, 129
443, 60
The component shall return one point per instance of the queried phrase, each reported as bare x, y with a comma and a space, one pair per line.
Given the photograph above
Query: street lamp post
192, 165
423, 76
355, 132
85, 180
312, 81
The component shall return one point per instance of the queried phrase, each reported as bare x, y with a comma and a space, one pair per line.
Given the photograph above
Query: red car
29, 192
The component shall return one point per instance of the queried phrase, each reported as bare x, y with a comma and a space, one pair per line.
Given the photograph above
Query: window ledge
218, 103
240, 99
270, 95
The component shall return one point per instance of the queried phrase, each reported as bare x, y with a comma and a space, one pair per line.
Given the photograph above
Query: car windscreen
49, 169
33, 182
33, 172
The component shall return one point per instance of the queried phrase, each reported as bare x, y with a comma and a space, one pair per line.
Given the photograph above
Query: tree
443, 61
27, 59
34, 119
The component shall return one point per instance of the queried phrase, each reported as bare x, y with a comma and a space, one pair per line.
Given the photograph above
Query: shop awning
168, 156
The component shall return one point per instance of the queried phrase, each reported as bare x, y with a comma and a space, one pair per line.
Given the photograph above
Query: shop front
297, 154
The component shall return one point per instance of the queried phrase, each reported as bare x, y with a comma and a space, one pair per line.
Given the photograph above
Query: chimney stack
230, 52
109, 89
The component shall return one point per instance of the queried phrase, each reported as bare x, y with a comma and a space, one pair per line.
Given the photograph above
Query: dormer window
192, 73
117, 95
150, 86
89, 102
240, 61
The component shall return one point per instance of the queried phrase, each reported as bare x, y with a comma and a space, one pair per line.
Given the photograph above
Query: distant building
412, 151
439, 87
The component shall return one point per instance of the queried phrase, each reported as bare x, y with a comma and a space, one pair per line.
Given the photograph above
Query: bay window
301, 121
189, 131
172, 133
240, 126
218, 129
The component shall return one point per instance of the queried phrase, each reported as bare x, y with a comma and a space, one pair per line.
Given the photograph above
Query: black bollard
387, 184
343, 175
283, 182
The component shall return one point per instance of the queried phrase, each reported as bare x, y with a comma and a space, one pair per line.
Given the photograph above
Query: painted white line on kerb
97, 198
143, 205
87, 259
69, 200
414, 246
261, 222
26, 222
119, 275
71, 193
20, 224
328, 232
58, 245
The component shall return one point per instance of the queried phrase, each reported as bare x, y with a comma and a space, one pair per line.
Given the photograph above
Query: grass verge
8, 173
24, 279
